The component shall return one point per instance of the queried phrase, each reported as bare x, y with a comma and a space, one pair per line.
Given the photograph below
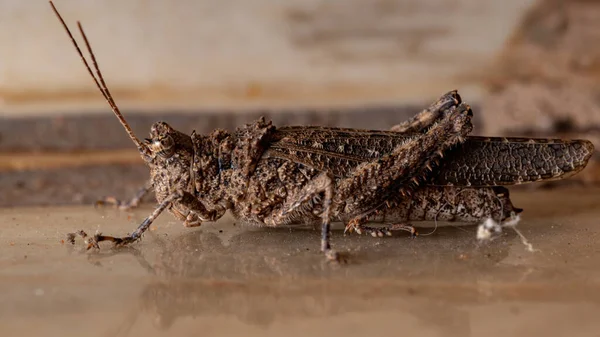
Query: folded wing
479, 161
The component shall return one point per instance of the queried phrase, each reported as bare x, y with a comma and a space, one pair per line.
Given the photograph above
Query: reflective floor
223, 278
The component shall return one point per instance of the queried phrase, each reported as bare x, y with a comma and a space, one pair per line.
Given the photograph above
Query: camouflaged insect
426, 168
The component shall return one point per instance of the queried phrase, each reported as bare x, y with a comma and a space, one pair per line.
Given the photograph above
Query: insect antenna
99, 80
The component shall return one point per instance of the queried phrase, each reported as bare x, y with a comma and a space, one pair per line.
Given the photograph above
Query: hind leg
420, 123
357, 225
373, 183
426, 118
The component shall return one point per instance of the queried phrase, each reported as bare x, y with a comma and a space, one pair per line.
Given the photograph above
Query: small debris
71, 236
490, 228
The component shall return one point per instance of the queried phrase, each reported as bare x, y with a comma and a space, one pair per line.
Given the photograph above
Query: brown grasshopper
269, 176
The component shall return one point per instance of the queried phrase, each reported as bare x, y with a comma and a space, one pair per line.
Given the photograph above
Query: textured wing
479, 161
482, 161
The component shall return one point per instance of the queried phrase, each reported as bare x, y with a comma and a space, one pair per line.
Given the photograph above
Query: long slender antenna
99, 80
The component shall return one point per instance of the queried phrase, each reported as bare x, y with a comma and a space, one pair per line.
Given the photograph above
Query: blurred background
528, 68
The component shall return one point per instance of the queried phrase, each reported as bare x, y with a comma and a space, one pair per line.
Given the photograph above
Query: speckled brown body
270, 176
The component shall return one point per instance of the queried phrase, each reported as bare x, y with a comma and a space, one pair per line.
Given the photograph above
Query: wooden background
241, 53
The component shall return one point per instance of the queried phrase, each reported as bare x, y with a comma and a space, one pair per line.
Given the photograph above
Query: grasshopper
269, 176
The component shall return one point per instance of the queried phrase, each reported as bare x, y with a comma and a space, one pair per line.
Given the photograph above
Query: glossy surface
271, 282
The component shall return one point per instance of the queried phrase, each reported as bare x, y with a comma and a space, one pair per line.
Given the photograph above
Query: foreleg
185, 199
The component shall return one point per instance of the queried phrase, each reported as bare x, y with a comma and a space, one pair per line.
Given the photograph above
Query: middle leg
322, 184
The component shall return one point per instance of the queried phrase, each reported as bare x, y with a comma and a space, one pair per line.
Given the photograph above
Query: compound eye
164, 146
167, 142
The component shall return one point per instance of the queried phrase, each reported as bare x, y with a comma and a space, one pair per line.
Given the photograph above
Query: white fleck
490, 228
487, 229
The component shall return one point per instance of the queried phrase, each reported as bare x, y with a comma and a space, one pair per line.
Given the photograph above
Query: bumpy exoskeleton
270, 176
197, 178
